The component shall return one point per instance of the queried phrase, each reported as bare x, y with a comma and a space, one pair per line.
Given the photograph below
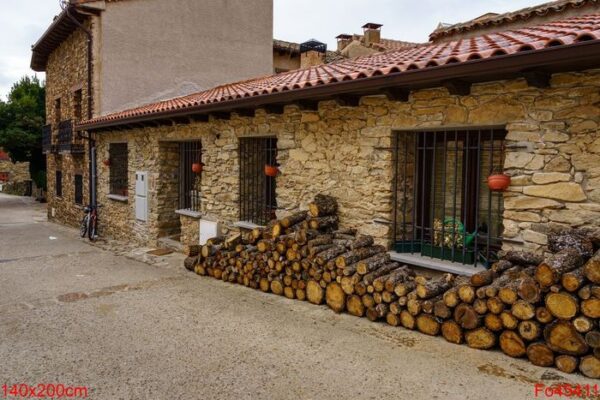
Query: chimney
343, 40
312, 52
372, 33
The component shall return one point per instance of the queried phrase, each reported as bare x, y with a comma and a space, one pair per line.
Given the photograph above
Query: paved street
81, 315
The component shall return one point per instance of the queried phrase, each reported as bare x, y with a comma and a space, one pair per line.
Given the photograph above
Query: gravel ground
127, 325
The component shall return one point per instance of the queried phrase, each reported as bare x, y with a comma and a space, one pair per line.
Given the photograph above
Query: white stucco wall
156, 49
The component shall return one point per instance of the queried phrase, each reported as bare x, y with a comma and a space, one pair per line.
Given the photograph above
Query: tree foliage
21, 120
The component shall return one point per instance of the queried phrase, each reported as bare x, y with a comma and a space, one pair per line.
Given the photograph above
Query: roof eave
579, 56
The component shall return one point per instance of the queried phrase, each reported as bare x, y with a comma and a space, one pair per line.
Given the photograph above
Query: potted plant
498, 182
271, 170
197, 167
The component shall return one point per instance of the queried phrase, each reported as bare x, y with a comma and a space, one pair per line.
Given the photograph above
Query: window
190, 159
257, 189
118, 168
77, 109
58, 184
79, 189
444, 208
57, 111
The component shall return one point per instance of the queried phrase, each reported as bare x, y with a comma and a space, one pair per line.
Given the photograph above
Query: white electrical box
141, 195
208, 229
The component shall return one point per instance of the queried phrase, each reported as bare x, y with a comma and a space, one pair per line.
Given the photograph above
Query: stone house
14, 177
404, 139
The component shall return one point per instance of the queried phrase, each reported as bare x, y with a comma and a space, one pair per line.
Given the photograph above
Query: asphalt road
85, 317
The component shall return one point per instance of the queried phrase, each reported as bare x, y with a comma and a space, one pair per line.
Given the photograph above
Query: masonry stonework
552, 153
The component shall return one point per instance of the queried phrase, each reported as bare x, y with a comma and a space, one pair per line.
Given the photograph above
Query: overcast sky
23, 21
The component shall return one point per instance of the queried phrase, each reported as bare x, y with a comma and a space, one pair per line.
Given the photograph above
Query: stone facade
14, 177
552, 152
67, 73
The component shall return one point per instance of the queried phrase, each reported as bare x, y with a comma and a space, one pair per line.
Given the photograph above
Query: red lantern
498, 182
197, 167
271, 170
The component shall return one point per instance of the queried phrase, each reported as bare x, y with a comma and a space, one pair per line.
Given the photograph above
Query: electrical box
141, 195
208, 229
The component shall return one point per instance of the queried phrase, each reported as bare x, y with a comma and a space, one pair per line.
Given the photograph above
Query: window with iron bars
444, 208
79, 189
190, 159
257, 189
58, 184
119, 169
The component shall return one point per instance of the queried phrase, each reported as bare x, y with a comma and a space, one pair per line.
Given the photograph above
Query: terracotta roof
394, 63
493, 19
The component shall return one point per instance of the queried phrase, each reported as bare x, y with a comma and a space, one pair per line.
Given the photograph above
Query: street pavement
127, 325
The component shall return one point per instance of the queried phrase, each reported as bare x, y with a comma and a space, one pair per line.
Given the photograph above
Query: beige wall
155, 49
553, 156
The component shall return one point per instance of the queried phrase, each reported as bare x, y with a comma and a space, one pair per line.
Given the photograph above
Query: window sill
116, 197
189, 213
247, 225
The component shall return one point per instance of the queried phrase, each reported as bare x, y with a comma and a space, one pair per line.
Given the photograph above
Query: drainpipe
66, 7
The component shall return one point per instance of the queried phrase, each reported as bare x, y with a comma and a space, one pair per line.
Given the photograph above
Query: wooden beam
221, 115
537, 78
308, 105
396, 94
458, 87
199, 118
245, 112
347, 100
274, 109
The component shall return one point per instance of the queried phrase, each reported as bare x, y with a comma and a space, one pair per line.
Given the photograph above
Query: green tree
21, 120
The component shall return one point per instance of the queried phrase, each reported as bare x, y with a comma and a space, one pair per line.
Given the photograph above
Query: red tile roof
558, 33
492, 19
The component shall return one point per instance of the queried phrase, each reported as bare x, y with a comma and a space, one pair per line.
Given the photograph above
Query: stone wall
553, 154
67, 72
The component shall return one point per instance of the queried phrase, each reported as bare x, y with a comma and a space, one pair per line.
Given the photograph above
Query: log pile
542, 308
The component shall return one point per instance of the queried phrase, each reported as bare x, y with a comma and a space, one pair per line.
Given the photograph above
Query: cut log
466, 316
483, 278
348, 285
591, 307
377, 312
407, 320
592, 338
480, 338
480, 306
493, 322
508, 320
293, 219
323, 205
335, 297
314, 292
591, 270
327, 255
563, 338
381, 271
523, 258
530, 330
573, 280
190, 263
355, 256
370, 264
512, 344
192, 250
466, 293
209, 250
434, 288
523, 310
495, 305
402, 289
590, 367
355, 306
327, 223
550, 271
289, 292
368, 300
567, 364
396, 276
362, 241
528, 290
562, 305
543, 315
452, 332
393, 319
583, 324
441, 310
571, 239
540, 354
501, 265
451, 297
413, 306
428, 324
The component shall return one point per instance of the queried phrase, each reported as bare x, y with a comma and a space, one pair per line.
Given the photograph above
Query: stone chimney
312, 52
343, 40
372, 33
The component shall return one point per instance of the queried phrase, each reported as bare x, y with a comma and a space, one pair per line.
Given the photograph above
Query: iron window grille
257, 190
47, 145
79, 189
444, 208
58, 184
190, 153
118, 175
77, 104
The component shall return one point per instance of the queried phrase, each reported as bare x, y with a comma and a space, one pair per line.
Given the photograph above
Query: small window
79, 189
118, 168
258, 163
190, 166
58, 185
57, 111
77, 110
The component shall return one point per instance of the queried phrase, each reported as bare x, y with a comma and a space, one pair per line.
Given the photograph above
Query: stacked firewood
546, 309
